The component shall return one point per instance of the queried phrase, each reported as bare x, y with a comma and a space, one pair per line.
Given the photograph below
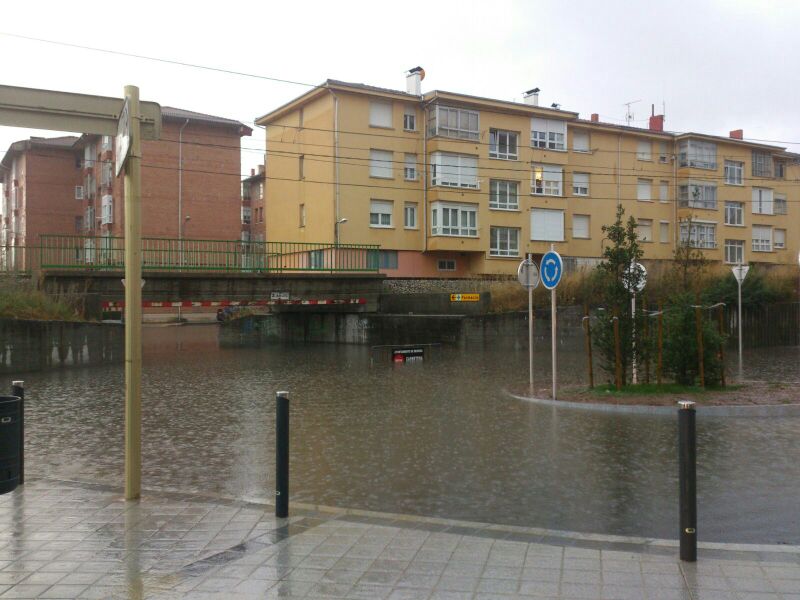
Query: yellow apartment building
450, 184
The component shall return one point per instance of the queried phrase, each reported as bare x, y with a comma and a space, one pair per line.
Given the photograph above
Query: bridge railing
165, 254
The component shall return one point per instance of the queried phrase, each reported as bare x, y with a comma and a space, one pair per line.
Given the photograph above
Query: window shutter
380, 114
580, 141
580, 180
547, 225
580, 226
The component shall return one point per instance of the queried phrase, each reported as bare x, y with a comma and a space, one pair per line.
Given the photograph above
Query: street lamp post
336, 240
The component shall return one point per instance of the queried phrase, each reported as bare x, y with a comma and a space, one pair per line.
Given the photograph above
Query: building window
247, 214
780, 204
301, 163
502, 144
762, 238
380, 213
697, 195
664, 232
663, 154
700, 155
580, 184
410, 119
779, 239
105, 143
387, 259
547, 180
88, 220
780, 169
550, 134
261, 191
644, 229
734, 213
302, 215
107, 174
380, 114
734, 252
410, 167
644, 150
446, 265
699, 235
78, 192
245, 236
762, 164
734, 172
547, 225
410, 215
580, 141
762, 201
643, 189
503, 195
454, 170
107, 207
316, 259
454, 123
456, 219
380, 163
78, 224
580, 226
663, 191
503, 241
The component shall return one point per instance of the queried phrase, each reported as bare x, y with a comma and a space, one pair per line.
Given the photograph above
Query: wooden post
698, 323
660, 342
617, 352
588, 343
721, 344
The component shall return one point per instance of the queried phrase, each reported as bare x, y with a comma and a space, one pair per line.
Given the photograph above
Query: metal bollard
18, 389
687, 474
282, 454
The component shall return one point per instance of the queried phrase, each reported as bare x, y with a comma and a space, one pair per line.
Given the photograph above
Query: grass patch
653, 389
19, 300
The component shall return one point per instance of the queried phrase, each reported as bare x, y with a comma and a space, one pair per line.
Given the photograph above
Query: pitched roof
64, 142
180, 114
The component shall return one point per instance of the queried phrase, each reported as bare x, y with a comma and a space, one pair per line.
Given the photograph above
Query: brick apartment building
253, 206
66, 185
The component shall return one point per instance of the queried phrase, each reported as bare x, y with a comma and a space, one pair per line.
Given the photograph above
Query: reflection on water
440, 438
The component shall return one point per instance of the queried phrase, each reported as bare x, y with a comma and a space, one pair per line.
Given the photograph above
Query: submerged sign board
408, 355
465, 297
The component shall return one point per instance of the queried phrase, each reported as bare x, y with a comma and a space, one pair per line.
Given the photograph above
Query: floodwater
439, 438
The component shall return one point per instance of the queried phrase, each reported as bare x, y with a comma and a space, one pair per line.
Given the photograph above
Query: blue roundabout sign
551, 269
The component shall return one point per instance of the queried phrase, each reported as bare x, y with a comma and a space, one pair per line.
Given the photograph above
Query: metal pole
530, 336
133, 304
587, 320
282, 454
699, 329
721, 345
18, 389
660, 341
634, 373
739, 327
687, 476
617, 352
553, 338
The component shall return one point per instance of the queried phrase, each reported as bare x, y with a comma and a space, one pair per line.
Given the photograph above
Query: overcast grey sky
717, 64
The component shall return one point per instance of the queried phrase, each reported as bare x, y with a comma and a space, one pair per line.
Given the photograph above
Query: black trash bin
9, 442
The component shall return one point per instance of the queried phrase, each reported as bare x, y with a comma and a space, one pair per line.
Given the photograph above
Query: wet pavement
62, 539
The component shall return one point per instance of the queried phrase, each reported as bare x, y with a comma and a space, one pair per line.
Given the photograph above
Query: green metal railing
164, 254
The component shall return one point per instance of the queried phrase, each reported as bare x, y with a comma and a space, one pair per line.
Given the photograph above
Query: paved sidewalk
75, 540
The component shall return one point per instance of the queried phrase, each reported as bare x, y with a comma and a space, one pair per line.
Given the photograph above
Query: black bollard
18, 389
687, 474
282, 454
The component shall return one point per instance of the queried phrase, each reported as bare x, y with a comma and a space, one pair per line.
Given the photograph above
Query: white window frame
585, 222
734, 172
580, 184
763, 201
762, 243
761, 163
410, 215
380, 163
496, 137
503, 241
544, 231
410, 167
549, 134
644, 150
107, 208
79, 192
734, 213
409, 119
697, 154
779, 204
644, 190
735, 247
503, 195
462, 172
380, 114
698, 235
686, 195
776, 243
381, 214
247, 215
580, 134
642, 226
454, 219
458, 123
663, 232
663, 191
663, 153
548, 186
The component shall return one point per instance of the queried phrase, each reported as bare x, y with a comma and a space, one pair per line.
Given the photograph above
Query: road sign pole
530, 337
739, 325
553, 338
528, 276
634, 372
133, 303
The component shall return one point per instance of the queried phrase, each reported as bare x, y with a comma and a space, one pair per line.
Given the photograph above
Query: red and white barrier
108, 305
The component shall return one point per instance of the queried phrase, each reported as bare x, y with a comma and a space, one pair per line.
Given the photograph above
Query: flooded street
439, 438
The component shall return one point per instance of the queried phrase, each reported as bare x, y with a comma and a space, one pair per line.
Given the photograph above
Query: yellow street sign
465, 297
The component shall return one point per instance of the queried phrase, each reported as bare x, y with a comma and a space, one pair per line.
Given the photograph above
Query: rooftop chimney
414, 79
252, 172
737, 134
656, 121
260, 169
531, 97
595, 118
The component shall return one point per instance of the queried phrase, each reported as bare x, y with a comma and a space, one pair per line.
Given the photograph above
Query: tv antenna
628, 113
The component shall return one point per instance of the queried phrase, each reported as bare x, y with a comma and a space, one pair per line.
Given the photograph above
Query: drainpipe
619, 169
675, 233
426, 174
180, 180
335, 164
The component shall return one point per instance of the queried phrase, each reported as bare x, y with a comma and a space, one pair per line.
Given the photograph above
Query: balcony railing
164, 254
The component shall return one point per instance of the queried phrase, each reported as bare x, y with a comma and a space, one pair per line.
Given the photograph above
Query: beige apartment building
450, 184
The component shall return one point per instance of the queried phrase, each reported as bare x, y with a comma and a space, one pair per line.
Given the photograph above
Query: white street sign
528, 274
122, 143
740, 272
635, 278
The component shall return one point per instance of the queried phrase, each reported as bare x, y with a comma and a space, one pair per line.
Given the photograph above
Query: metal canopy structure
65, 111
